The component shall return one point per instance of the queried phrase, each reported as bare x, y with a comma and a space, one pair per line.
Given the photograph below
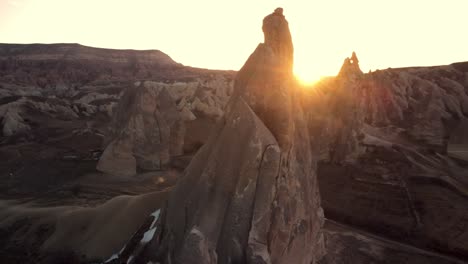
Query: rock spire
250, 195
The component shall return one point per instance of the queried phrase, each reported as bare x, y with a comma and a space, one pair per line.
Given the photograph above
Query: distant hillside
59, 98
68, 66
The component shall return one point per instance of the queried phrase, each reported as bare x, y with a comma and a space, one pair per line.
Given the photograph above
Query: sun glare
210, 34
308, 73
306, 78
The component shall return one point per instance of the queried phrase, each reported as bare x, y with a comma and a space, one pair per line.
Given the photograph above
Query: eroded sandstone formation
351, 67
250, 195
393, 158
335, 114
86, 83
150, 120
146, 131
426, 102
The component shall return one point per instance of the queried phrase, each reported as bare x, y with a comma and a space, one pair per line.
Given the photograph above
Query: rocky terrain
250, 195
396, 162
57, 103
122, 156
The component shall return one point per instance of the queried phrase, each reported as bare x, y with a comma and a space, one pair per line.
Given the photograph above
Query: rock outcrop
90, 81
457, 145
335, 116
57, 102
149, 128
250, 195
351, 67
12, 121
146, 131
426, 102
393, 158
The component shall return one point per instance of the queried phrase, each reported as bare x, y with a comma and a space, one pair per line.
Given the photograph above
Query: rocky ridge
250, 195
58, 100
393, 159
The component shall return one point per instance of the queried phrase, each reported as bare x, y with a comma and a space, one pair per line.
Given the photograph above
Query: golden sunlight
219, 34
305, 75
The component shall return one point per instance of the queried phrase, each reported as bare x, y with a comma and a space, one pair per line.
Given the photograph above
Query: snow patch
148, 235
115, 256
155, 214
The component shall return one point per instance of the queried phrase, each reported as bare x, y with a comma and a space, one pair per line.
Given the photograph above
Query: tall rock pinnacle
250, 195
265, 81
278, 38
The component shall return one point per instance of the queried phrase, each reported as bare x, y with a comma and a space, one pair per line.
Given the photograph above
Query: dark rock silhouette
336, 116
351, 67
250, 194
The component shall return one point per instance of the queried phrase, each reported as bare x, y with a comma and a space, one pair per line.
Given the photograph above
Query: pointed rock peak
264, 80
354, 59
278, 11
278, 37
351, 66
250, 194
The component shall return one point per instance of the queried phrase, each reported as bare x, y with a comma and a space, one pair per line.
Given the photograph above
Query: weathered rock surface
426, 102
457, 145
250, 195
335, 118
149, 129
349, 245
397, 131
92, 80
57, 103
146, 131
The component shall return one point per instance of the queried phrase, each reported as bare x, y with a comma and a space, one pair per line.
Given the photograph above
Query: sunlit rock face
335, 116
393, 153
250, 195
426, 102
278, 38
265, 80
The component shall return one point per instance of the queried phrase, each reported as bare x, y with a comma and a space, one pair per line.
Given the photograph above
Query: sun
306, 77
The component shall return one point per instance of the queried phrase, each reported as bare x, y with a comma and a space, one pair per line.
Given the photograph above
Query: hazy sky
221, 34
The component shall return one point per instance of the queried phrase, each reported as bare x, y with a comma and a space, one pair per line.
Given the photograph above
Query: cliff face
426, 102
393, 159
